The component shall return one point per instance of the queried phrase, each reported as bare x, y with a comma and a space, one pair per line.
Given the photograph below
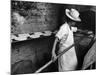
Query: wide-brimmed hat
73, 14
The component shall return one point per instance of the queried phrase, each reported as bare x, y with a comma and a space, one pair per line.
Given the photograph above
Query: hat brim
73, 18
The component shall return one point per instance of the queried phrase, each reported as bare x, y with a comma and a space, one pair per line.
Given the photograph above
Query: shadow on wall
88, 20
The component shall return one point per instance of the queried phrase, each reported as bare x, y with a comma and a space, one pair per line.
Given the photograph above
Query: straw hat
73, 14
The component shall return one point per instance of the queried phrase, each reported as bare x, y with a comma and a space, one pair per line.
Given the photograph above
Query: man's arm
74, 29
54, 48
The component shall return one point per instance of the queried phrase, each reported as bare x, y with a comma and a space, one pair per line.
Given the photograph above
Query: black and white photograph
52, 37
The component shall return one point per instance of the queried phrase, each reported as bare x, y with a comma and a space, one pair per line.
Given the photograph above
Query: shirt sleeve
63, 31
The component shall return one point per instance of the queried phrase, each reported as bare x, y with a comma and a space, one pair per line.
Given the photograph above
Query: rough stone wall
38, 16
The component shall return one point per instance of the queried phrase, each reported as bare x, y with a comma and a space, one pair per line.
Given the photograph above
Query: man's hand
54, 56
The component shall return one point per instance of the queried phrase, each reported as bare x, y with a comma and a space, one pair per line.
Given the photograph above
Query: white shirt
65, 35
62, 31
68, 60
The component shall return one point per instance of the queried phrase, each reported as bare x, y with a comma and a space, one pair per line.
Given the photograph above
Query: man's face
72, 23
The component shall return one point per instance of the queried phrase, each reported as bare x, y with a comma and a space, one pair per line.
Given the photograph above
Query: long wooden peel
59, 55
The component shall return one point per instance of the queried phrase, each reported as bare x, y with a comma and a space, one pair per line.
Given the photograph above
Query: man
67, 61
